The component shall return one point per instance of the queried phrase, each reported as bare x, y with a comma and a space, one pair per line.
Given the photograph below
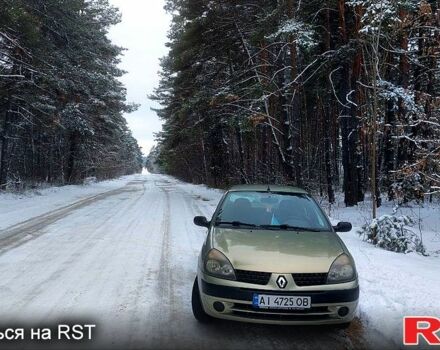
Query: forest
61, 103
333, 96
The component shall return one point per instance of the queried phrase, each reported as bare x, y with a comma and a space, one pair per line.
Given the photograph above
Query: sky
143, 32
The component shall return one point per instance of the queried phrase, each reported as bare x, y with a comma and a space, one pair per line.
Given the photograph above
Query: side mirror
201, 221
343, 227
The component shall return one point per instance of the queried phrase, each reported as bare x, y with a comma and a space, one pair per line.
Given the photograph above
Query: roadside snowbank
16, 208
394, 285
425, 216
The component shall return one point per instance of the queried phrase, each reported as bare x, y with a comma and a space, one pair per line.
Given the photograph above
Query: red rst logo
425, 326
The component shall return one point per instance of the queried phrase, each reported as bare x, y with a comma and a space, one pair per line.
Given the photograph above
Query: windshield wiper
234, 223
289, 227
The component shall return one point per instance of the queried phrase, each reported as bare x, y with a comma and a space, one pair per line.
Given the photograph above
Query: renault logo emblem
282, 282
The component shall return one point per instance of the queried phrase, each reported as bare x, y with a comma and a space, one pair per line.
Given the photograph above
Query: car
272, 256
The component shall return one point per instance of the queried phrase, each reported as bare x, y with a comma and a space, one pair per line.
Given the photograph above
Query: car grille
312, 314
309, 279
281, 317
251, 308
262, 278
254, 277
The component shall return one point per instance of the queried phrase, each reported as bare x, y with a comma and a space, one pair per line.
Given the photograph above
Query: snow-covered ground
125, 251
16, 208
395, 285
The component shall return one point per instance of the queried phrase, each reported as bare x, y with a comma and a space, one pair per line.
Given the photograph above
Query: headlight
342, 270
218, 265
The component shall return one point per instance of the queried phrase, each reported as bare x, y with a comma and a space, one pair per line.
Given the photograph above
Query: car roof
265, 188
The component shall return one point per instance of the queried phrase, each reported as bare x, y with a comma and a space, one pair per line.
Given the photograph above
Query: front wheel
197, 307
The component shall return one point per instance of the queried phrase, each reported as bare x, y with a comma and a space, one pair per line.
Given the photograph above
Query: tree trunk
404, 68
327, 153
295, 119
349, 124
327, 127
4, 140
71, 173
389, 145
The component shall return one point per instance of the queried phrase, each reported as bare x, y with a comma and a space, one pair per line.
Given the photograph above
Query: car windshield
267, 210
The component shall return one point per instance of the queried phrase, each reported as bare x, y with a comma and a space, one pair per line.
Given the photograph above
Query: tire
197, 307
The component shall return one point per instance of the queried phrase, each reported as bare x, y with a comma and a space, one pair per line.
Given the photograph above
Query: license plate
263, 301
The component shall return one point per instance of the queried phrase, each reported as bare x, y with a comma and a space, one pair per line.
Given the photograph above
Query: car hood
278, 251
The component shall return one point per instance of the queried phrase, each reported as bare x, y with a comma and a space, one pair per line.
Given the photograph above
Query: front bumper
237, 297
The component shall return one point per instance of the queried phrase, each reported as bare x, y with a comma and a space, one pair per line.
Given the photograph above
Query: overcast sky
143, 32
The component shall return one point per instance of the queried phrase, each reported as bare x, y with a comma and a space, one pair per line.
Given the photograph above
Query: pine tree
334, 95
61, 105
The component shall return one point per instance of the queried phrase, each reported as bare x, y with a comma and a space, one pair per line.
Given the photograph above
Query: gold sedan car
272, 256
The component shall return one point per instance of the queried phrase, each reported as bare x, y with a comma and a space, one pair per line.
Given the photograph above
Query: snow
377, 14
16, 208
129, 258
394, 285
302, 32
392, 92
393, 233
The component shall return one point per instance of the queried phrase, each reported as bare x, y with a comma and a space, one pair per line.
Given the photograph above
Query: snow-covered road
126, 260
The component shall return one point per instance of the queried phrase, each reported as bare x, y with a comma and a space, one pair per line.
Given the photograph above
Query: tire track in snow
21, 233
164, 285
67, 260
162, 308
103, 258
